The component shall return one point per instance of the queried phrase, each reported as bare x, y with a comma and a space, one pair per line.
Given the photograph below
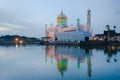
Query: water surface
36, 62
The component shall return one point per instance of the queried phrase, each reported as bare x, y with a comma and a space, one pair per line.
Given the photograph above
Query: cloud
4, 25
3, 29
11, 29
14, 24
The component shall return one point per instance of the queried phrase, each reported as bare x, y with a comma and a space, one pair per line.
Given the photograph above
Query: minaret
78, 24
88, 19
71, 25
46, 30
51, 25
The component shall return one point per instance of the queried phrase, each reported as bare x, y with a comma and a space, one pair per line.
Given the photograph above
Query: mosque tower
62, 20
89, 19
78, 25
46, 30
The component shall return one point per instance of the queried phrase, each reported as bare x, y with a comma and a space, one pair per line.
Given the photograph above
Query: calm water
59, 63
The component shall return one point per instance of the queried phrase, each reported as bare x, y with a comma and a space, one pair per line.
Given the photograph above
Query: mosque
63, 32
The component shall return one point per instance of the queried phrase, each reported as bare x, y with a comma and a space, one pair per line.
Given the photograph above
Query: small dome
61, 16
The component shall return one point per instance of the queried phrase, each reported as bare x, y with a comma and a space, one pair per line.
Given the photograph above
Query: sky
28, 17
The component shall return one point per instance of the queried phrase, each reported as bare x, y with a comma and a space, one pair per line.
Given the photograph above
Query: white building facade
62, 32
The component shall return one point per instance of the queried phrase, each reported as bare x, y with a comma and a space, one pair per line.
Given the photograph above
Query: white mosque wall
73, 36
68, 34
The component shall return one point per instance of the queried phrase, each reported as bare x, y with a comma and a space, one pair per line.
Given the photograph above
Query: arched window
86, 38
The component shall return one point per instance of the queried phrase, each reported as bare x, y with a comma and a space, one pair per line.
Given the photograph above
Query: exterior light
94, 38
113, 47
21, 41
16, 39
100, 39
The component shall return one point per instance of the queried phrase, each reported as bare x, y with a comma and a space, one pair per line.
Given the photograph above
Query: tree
109, 32
114, 27
108, 27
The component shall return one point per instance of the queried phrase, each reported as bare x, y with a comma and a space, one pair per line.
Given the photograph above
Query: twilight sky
28, 17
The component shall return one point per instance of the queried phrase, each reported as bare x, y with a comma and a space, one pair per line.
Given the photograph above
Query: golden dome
62, 16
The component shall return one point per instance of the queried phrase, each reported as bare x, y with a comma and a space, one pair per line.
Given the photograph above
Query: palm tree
114, 27
108, 28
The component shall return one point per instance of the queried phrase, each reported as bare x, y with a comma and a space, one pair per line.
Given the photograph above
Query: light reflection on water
36, 62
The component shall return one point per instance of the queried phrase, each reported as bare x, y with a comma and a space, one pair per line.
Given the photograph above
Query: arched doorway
56, 38
86, 38
106, 39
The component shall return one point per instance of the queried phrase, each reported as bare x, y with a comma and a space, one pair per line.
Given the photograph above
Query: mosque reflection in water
64, 53
111, 52
82, 55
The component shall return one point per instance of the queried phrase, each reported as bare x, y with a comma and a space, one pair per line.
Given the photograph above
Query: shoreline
82, 43
85, 43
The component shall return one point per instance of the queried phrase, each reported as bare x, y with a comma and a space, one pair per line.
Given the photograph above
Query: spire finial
78, 20
45, 25
51, 24
88, 11
62, 12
